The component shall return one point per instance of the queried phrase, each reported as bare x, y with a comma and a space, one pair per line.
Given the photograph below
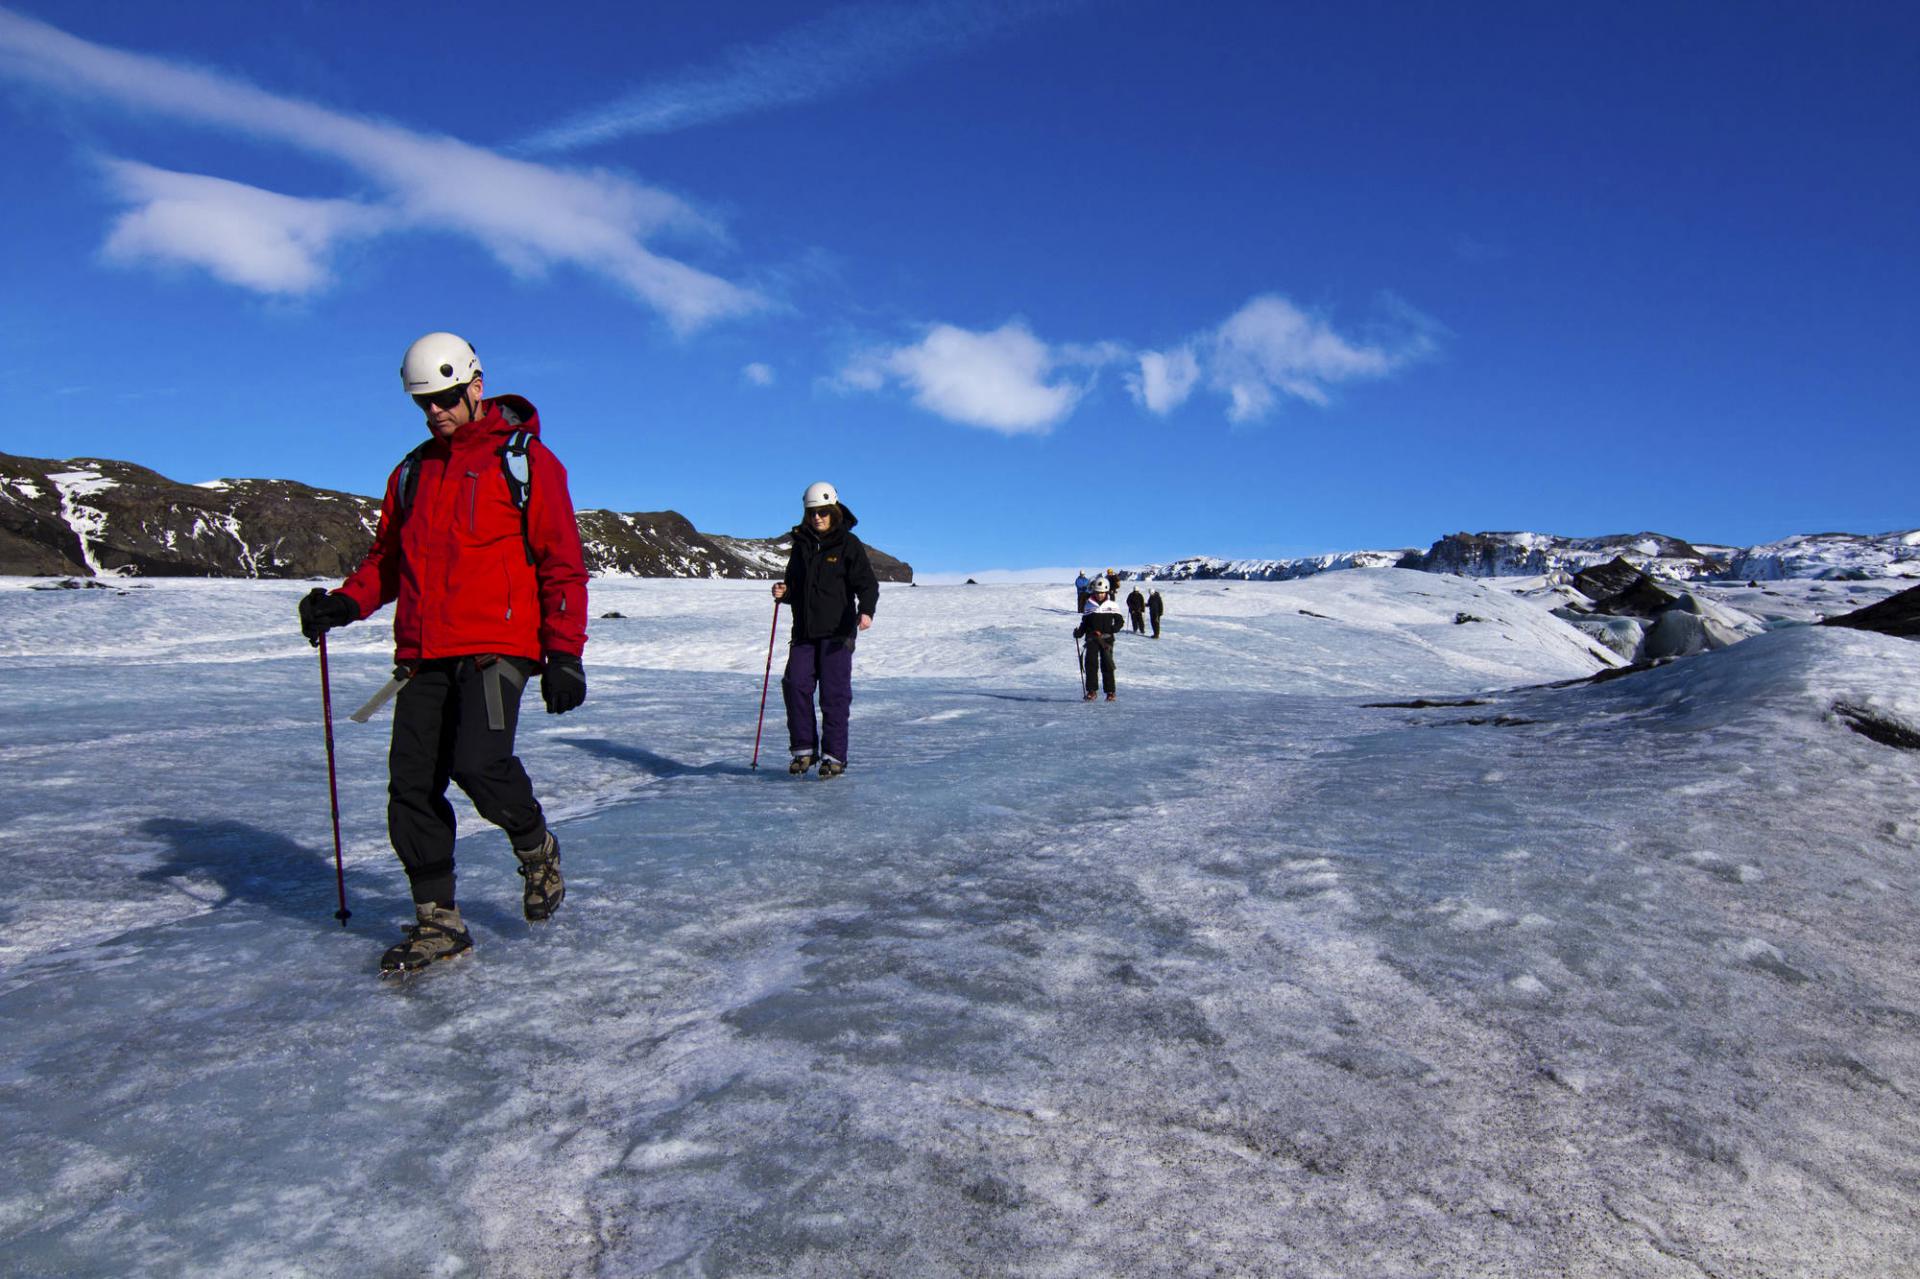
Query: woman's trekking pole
764, 681
333, 786
1079, 659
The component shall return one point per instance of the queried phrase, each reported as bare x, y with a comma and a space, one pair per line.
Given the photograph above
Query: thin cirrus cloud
759, 374
1011, 381
535, 216
254, 239
841, 50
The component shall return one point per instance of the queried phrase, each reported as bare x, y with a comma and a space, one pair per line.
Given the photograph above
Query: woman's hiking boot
800, 764
545, 889
440, 934
831, 767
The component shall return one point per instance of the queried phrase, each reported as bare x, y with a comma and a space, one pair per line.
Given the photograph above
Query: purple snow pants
828, 663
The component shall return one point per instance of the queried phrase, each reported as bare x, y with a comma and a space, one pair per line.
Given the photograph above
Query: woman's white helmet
438, 361
818, 495
1098, 586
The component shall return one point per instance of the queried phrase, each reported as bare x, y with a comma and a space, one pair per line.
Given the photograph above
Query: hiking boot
545, 889
1113, 697
800, 764
1087, 698
440, 934
831, 767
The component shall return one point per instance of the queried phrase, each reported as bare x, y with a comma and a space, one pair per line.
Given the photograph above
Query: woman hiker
832, 591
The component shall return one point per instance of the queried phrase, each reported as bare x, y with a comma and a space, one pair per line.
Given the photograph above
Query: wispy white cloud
842, 49
1012, 381
1006, 380
530, 216
1270, 349
1164, 379
759, 374
255, 239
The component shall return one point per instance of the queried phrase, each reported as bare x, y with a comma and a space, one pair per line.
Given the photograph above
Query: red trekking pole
764, 681
333, 786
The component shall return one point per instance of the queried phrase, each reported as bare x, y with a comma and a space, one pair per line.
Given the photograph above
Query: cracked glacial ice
1236, 976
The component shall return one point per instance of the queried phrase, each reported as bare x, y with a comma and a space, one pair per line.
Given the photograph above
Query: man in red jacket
477, 543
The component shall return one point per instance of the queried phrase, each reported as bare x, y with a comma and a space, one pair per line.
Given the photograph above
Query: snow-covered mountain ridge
94, 517
1816, 555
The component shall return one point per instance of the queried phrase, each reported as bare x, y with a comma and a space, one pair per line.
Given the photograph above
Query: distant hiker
477, 542
1137, 610
1099, 634
1155, 607
1080, 585
1112, 577
832, 591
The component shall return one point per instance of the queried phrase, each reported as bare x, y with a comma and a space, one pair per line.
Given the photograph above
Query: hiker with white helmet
832, 591
1100, 622
477, 543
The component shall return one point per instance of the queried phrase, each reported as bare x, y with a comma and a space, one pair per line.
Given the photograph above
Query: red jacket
455, 558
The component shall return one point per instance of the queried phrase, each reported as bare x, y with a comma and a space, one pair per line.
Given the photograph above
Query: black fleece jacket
830, 581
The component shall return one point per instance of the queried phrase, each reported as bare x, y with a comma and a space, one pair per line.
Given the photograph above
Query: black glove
321, 610
563, 684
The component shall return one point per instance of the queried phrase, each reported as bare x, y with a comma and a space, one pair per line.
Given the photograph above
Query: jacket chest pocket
469, 508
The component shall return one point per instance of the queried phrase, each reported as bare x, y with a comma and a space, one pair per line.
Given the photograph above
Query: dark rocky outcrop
1895, 615
1529, 554
86, 516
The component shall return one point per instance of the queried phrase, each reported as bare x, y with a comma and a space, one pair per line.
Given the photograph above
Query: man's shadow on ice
258, 867
651, 764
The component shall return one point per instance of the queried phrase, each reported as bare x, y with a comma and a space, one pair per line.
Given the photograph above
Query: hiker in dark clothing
1155, 607
832, 591
1137, 610
1099, 625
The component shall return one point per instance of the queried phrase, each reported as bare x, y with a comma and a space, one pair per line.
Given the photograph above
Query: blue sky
1032, 283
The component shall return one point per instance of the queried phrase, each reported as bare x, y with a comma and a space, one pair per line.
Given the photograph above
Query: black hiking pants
1099, 662
1139, 621
441, 733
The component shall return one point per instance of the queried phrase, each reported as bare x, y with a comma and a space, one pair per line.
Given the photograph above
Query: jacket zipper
473, 502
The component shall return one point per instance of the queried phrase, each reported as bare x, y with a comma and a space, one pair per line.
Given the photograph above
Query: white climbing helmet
1098, 586
819, 495
438, 361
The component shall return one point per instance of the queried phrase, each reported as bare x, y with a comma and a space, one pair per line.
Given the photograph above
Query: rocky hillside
89, 517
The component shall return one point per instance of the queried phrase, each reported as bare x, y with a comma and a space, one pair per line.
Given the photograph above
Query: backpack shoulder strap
409, 477
517, 467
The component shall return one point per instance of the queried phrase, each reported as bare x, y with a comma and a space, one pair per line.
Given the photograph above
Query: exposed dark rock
1894, 615
1877, 727
140, 523
1611, 578
1422, 704
615, 613
1642, 599
1461, 619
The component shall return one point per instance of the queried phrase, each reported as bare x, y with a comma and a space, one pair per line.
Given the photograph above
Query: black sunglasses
443, 400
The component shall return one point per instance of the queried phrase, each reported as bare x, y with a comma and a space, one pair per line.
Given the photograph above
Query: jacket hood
500, 415
842, 525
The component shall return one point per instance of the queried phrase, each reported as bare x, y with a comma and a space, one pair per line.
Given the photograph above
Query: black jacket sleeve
866, 587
